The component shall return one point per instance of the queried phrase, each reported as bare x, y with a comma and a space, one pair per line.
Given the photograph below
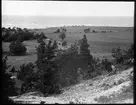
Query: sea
35, 22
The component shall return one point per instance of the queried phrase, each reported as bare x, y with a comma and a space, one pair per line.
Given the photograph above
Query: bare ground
103, 89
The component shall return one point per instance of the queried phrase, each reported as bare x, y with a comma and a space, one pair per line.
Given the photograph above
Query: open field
101, 43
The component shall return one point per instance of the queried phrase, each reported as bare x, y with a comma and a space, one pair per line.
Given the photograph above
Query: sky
67, 8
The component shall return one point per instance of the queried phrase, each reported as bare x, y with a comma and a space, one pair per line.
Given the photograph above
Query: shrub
87, 30
62, 36
17, 48
129, 55
57, 31
106, 65
28, 76
123, 57
117, 54
64, 43
93, 31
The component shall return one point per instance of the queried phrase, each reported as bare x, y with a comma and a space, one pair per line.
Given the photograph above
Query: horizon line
64, 16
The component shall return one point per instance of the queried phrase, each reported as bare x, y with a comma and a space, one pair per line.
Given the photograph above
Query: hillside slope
117, 88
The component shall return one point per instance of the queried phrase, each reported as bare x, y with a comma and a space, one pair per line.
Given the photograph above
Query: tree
17, 48
62, 36
42, 35
11, 34
84, 47
47, 69
8, 85
118, 55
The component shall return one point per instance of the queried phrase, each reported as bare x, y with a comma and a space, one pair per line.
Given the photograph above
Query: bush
64, 43
87, 30
129, 55
17, 48
117, 54
28, 76
62, 35
106, 65
123, 57
57, 31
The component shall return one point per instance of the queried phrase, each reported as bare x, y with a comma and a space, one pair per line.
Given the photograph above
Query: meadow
101, 42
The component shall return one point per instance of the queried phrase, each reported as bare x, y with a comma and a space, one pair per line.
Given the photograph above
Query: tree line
12, 34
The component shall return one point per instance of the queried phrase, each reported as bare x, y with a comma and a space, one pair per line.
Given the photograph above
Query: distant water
50, 21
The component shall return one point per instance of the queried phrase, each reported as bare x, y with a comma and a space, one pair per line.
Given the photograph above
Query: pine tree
84, 47
47, 69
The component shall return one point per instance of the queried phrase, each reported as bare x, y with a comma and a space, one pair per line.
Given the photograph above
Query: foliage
17, 48
64, 43
62, 36
57, 31
129, 54
47, 69
123, 56
41, 77
117, 53
28, 76
106, 65
84, 48
87, 30
93, 31
63, 29
11, 34
99, 67
74, 49
8, 85
41, 37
